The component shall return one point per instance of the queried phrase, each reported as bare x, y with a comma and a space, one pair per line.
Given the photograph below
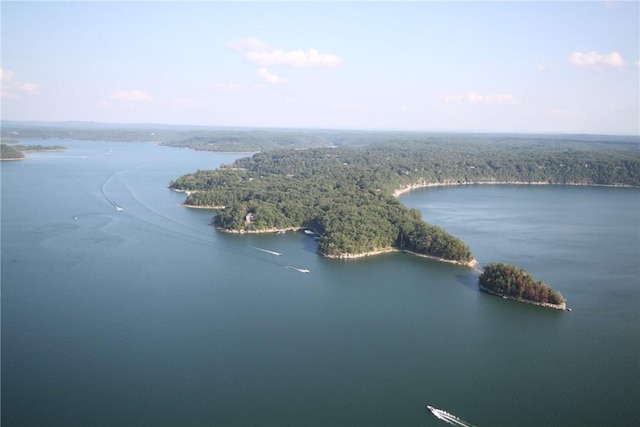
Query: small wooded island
509, 281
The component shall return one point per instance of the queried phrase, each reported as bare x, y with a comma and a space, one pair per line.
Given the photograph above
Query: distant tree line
210, 138
25, 148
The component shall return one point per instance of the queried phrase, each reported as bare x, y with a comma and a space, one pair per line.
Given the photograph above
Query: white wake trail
449, 418
268, 251
301, 270
443, 418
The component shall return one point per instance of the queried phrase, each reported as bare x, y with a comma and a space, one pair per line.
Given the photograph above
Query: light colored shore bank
423, 184
263, 231
184, 205
469, 264
562, 306
361, 254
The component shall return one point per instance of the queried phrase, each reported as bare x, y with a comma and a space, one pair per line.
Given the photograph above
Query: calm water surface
147, 316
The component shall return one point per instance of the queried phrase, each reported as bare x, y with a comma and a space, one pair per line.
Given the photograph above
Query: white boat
301, 270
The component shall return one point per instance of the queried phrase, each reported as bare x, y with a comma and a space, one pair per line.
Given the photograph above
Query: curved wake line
106, 194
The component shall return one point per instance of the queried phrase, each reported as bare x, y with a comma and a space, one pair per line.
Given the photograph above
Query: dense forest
346, 193
513, 282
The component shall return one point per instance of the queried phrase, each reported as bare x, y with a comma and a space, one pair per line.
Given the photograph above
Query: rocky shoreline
469, 264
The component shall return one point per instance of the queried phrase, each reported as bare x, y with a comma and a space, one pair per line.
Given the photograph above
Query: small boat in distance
268, 251
118, 208
301, 270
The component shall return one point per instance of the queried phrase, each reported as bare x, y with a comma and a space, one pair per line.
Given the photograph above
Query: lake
120, 307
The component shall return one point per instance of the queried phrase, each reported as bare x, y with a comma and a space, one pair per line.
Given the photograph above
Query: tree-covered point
7, 152
513, 282
16, 151
346, 193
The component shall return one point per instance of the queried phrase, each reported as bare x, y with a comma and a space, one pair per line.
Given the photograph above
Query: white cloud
294, 58
637, 63
257, 52
131, 95
474, 97
595, 59
11, 87
269, 77
542, 68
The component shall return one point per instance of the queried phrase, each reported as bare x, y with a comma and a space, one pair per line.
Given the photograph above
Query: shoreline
263, 231
400, 191
206, 207
468, 264
562, 307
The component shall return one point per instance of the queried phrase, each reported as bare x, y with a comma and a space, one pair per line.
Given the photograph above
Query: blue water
148, 316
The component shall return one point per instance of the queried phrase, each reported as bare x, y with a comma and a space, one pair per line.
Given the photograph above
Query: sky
510, 66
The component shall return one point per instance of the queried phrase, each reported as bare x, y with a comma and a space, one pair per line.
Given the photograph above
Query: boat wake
267, 251
106, 193
301, 270
449, 418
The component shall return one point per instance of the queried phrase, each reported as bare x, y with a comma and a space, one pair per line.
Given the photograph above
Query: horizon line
304, 128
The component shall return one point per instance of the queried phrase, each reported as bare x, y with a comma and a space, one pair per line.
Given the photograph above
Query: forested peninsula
7, 152
16, 152
346, 194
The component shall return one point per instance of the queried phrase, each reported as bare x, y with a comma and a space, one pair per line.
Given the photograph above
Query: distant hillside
208, 138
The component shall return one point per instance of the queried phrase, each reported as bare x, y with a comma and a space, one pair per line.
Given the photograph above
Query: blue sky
459, 66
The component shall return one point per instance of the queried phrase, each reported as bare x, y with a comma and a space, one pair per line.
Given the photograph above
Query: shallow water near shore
148, 316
